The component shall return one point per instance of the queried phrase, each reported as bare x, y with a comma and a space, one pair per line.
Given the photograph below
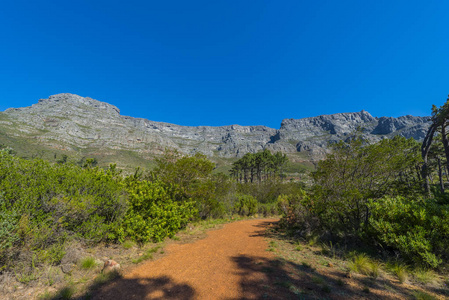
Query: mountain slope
67, 122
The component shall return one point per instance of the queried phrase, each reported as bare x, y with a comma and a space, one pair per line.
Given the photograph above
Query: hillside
84, 127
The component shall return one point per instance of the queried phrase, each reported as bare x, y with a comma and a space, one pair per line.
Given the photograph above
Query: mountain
67, 122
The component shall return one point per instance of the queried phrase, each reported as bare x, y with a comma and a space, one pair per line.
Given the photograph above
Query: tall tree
440, 119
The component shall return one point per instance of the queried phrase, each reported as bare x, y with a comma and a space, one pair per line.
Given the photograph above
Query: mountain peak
76, 100
71, 121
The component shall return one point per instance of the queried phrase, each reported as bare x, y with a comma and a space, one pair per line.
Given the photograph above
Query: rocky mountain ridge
68, 121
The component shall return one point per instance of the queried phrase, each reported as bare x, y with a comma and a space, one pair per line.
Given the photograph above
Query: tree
356, 172
191, 175
440, 119
259, 166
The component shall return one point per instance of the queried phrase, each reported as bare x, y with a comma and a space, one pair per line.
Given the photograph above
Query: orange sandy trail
207, 269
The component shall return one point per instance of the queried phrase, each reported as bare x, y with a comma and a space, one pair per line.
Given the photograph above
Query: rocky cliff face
74, 122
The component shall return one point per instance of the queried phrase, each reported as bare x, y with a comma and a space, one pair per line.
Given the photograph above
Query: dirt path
230, 263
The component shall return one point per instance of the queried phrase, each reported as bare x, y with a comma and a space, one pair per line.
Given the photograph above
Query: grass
147, 255
65, 293
102, 278
398, 269
424, 276
361, 264
419, 295
306, 265
87, 263
312, 240
375, 269
350, 274
298, 246
128, 244
329, 249
318, 280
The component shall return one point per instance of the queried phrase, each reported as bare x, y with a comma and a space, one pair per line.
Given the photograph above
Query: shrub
246, 205
267, 209
417, 228
8, 232
153, 212
296, 212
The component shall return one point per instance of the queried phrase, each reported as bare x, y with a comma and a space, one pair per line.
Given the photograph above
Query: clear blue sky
228, 62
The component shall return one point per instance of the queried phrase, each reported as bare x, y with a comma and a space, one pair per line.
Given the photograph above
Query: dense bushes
246, 205
372, 193
44, 206
418, 228
356, 172
154, 213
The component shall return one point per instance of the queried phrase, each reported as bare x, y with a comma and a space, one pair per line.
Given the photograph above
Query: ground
248, 259
251, 260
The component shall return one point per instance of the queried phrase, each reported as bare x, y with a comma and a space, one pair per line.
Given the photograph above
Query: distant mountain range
67, 122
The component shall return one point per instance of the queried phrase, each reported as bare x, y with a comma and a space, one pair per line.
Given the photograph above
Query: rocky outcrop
77, 122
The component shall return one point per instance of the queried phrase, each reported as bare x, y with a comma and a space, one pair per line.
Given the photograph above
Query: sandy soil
230, 263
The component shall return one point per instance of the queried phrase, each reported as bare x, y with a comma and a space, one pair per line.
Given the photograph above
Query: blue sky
228, 62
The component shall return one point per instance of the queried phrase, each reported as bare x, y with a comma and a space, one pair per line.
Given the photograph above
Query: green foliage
128, 244
246, 205
66, 293
373, 193
420, 295
87, 263
417, 228
398, 269
269, 190
424, 276
360, 263
192, 175
9, 236
62, 196
357, 172
147, 255
259, 166
154, 213
267, 209
297, 214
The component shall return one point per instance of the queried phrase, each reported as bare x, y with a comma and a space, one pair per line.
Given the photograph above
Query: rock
73, 253
110, 265
66, 268
67, 121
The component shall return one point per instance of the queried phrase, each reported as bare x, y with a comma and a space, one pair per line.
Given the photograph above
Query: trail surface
230, 263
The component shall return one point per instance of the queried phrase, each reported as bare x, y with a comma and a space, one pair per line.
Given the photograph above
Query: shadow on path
277, 278
146, 288
264, 278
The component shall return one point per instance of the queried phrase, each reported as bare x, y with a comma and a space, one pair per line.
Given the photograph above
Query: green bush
356, 172
267, 209
9, 236
246, 205
153, 214
417, 228
297, 214
64, 195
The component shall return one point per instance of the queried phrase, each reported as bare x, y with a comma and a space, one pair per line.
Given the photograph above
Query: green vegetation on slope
373, 194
